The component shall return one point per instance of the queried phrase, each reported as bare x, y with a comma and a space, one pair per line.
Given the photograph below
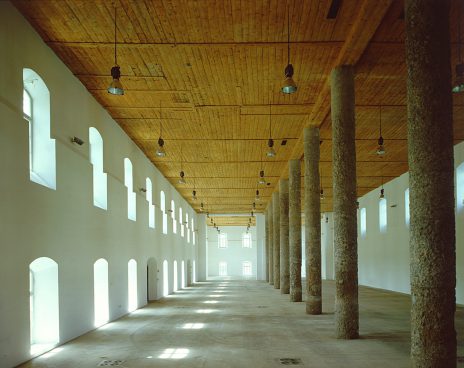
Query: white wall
234, 254
63, 224
383, 257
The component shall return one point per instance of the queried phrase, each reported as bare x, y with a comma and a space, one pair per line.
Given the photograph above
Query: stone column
294, 199
431, 184
344, 203
276, 237
266, 232
284, 259
271, 242
312, 208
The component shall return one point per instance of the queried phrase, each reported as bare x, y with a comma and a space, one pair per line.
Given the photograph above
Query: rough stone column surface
294, 199
431, 184
266, 232
276, 238
312, 208
271, 243
344, 203
284, 250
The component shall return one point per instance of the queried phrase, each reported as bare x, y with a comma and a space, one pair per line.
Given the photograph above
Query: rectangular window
222, 268
246, 240
222, 240
406, 206
362, 215
246, 268
383, 215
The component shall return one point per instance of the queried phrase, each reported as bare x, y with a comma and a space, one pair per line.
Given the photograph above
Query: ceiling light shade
459, 83
160, 152
271, 152
257, 198
380, 149
181, 180
261, 177
382, 194
322, 194
115, 87
194, 195
201, 207
289, 84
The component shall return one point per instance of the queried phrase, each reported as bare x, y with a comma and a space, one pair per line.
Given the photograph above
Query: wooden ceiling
211, 72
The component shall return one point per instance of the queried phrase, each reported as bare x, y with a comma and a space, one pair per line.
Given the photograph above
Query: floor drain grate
111, 363
290, 361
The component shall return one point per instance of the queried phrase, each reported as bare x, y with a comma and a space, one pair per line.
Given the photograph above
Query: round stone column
271, 242
276, 237
312, 209
294, 199
284, 249
344, 203
431, 184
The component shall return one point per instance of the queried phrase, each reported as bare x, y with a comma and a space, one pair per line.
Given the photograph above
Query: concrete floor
246, 324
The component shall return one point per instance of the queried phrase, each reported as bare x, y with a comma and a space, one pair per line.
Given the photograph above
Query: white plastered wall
63, 224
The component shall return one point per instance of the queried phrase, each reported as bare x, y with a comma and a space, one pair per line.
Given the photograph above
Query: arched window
222, 240
163, 211
165, 278
246, 240
187, 227
43, 305
383, 215
194, 275
132, 285
128, 182
193, 232
363, 221
182, 274
175, 286
181, 221
460, 187
406, 206
151, 207
99, 177
173, 216
100, 292
36, 110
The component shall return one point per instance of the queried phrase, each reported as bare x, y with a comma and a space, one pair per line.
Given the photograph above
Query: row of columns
431, 187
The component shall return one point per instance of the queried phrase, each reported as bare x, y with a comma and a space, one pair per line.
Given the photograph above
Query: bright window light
178, 353
132, 285
460, 187
165, 278
211, 302
100, 292
383, 215
99, 177
222, 238
205, 311
406, 206
363, 224
246, 240
181, 221
151, 206
163, 211
173, 217
131, 197
182, 275
193, 326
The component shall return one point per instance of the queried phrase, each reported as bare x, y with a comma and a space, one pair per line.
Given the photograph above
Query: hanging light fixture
382, 192
270, 142
194, 195
459, 83
322, 190
380, 149
201, 207
289, 84
257, 198
253, 206
261, 177
115, 87
160, 152
181, 174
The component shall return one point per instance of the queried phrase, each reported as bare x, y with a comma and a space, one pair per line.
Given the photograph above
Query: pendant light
459, 83
380, 149
257, 198
194, 193
382, 192
261, 177
201, 207
270, 142
160, 152
289, 84
181, 174
115, 87
322, 189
